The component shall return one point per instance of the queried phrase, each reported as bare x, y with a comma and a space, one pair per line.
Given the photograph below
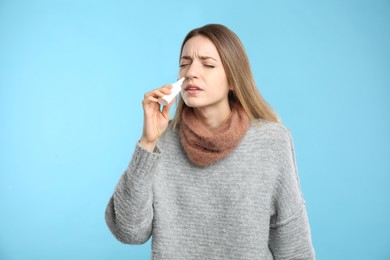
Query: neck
212, 118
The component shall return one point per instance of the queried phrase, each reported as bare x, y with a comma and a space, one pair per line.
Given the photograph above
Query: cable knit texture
204, 147
247, 205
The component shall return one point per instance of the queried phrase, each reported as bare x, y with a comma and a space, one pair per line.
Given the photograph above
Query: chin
192, 103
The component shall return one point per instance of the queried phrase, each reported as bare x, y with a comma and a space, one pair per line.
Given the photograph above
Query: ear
230, 94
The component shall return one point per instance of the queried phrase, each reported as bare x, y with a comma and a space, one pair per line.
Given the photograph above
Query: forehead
200, 46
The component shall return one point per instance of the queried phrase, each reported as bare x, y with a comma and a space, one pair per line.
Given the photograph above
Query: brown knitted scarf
204, 147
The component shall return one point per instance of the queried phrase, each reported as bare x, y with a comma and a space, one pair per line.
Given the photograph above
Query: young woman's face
206, 84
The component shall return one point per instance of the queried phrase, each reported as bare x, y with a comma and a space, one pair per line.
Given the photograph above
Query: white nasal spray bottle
176, 88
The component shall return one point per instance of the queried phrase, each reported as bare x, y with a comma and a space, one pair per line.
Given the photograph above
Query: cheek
221, 80
181, 73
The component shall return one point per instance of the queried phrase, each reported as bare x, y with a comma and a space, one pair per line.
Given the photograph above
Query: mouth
193, 89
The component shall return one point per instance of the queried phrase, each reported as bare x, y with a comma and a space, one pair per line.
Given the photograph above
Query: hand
155, 120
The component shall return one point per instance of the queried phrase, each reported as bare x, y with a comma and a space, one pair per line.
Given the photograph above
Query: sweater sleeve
129, 213
290, 236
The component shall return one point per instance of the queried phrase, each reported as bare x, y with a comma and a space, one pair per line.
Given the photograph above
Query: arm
129, 213
290, 236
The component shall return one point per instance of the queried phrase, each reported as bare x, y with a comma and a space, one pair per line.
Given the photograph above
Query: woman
219, 181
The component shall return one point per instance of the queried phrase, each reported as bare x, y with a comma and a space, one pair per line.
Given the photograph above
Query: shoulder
267, 139
265, 129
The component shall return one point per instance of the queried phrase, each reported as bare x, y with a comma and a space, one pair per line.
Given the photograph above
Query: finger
160, 92
149, 99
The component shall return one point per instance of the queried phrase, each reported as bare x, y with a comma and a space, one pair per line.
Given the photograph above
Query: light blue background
72, 78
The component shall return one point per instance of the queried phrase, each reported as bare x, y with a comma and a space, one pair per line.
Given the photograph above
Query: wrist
147, 145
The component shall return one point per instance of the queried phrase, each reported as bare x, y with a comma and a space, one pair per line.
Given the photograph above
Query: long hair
237, 68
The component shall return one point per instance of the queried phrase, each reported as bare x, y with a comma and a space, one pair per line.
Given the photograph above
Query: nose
192, 71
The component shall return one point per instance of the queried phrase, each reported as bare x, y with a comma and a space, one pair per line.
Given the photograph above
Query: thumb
166, 109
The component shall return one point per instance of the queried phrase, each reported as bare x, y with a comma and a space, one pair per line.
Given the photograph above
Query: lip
191, 88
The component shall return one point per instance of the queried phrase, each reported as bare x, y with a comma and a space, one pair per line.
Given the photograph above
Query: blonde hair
237, 68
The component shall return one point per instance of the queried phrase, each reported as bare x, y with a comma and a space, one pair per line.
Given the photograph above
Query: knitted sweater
245, 206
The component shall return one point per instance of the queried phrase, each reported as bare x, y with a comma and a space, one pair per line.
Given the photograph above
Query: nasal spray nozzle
176, 88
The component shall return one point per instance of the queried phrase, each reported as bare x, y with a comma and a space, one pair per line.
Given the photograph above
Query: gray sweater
245, 206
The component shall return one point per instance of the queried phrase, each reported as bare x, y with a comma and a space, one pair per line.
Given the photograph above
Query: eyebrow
185, 57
